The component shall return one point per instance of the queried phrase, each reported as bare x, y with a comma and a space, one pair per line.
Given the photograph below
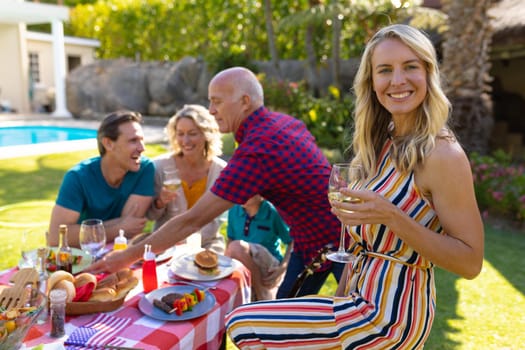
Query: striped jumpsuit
390, 292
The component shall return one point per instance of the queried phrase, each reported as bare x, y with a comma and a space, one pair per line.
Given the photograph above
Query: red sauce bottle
149, 270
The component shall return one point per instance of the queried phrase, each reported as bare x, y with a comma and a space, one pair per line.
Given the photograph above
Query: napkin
98, 332
83, 293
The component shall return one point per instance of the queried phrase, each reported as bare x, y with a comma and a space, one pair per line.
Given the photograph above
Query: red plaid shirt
278, 158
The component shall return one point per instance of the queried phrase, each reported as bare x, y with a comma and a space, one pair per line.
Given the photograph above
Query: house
33, 66
507, 58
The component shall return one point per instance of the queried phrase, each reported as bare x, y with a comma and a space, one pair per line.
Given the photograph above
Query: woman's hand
165, 196
372, 208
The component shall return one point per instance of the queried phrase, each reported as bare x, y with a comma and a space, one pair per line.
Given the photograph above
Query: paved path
153, 133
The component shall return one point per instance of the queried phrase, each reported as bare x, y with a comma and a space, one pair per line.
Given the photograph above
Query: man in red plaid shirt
278, 158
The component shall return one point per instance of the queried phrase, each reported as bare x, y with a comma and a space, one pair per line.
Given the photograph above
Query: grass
485, 313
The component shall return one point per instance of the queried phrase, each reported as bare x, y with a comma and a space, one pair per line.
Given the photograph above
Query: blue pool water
33, 134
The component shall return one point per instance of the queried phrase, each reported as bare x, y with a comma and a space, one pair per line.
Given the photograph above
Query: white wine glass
92, 237
171, 180
343, 175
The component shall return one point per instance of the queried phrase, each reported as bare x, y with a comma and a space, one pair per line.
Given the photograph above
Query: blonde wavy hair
372, 120
204, 121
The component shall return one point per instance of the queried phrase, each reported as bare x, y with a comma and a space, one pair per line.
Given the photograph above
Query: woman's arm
446, 180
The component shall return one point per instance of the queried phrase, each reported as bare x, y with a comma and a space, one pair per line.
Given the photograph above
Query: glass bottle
121, 242
57, 309
64, 253
149, 270
42, 280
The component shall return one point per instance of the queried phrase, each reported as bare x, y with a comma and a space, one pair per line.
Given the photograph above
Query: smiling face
399, 78
126, 150
189, 137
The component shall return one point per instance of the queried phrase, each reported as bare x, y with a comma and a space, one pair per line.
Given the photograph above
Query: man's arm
61, 215
175, 230
132, 219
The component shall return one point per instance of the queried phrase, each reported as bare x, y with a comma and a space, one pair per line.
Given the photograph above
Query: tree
271, 36
337, 19
466, 68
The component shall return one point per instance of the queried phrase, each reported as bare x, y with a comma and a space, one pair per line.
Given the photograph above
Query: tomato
199, 294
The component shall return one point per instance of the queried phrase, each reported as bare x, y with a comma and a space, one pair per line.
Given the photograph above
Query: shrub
499, 184
328, 118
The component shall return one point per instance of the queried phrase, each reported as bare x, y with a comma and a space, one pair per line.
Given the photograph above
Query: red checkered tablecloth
144, 332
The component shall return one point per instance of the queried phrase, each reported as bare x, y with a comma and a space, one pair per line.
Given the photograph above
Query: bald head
241, 81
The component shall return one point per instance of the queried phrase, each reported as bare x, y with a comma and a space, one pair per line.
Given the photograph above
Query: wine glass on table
92, 237
343, 175
30, 242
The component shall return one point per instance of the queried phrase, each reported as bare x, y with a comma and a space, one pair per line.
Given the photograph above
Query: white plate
183, 266
84, 262
147, 308
167, 254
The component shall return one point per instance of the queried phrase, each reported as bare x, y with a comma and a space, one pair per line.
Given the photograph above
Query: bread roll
125, 286
206, 259
103, 294
58, 276
121, 284
69, 287
108, 281
85, 278
124, 274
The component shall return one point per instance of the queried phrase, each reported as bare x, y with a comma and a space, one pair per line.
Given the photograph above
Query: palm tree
466, 68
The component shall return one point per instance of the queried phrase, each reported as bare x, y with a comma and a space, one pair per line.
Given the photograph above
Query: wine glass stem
342, 239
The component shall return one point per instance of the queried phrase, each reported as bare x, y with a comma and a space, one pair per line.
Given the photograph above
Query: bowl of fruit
16, 322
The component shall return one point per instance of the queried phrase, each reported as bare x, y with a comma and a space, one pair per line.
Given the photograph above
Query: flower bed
499, 185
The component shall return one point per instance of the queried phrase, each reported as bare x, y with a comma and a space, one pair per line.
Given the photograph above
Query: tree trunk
271, 37
311, 57
336, 47
466, 67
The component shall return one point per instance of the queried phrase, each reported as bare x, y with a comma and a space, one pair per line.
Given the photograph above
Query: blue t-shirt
266, 228
85, 190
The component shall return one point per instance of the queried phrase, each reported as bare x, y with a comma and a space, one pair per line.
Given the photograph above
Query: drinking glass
171, 180
30, 242
92, 237
343, 175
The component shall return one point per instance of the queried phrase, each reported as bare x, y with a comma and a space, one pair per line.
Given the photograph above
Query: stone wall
161, 88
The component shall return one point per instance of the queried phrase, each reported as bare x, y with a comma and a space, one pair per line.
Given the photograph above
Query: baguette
124, 274
108, 281
103, 294
125, 286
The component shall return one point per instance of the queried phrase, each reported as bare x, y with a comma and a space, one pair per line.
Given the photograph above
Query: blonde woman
196, 146
417, 209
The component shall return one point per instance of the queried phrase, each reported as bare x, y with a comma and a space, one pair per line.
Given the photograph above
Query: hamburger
207, 261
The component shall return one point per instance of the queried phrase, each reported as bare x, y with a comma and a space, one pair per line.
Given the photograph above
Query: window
73, 62
34, 67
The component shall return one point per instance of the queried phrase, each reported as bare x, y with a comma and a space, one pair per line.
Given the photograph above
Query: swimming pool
33, 134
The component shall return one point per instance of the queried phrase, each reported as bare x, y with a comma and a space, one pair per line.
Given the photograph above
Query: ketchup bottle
149, 270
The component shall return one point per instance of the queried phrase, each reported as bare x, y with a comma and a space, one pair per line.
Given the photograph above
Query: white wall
13, 67
41, 44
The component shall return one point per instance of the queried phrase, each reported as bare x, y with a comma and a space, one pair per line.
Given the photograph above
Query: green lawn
486, 313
